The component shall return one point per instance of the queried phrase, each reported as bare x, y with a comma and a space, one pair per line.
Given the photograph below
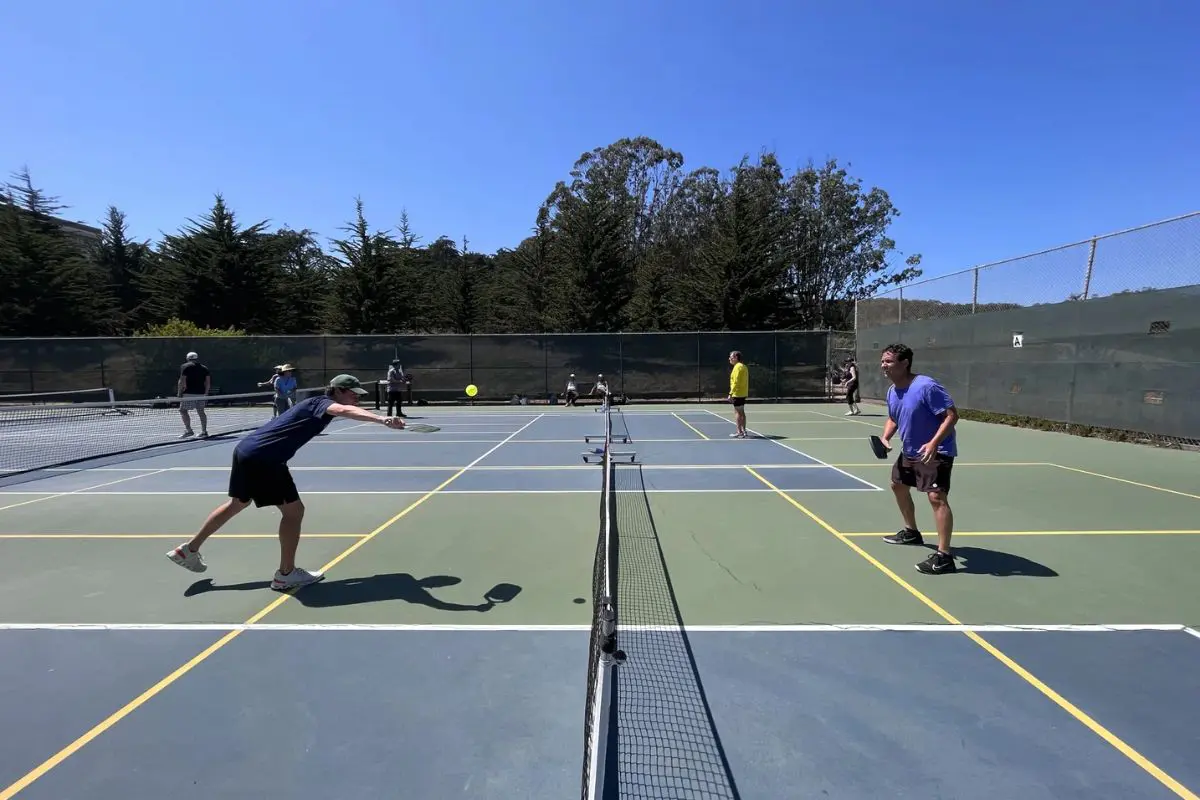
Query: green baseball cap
347, 382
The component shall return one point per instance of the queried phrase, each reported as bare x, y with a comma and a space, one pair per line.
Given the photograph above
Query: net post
605, 654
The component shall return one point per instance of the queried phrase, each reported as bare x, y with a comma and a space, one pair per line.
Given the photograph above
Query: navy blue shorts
261, 482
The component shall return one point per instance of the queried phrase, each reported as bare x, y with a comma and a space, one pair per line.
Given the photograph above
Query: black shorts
264, 483
931, 477
737, 402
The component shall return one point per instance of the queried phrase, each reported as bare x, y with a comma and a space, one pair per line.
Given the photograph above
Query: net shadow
667, 741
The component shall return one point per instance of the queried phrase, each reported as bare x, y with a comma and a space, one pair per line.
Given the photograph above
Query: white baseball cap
193, 356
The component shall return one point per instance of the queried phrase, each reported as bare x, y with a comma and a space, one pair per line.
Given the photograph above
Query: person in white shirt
601, 388
572, 390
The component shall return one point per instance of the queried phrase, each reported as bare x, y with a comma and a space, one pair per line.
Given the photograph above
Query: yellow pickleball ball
472, 390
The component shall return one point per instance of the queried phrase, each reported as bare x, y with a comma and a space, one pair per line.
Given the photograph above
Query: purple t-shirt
915, 410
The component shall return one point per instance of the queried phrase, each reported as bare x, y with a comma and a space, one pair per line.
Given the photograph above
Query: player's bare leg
904, 501
289, 575
944, 517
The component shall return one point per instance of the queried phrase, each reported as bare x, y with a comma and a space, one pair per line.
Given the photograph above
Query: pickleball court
776, 647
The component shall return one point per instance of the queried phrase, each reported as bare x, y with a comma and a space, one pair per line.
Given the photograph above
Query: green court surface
492, 524
1049, 528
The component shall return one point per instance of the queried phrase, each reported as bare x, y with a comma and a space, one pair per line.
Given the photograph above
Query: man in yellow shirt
739, 390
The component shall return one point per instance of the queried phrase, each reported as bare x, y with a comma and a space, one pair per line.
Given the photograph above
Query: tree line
630, 241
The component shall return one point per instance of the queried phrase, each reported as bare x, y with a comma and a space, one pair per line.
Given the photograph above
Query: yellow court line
1133, 755
134, 704
690, 425
1043, 533
78, 536
1124, 480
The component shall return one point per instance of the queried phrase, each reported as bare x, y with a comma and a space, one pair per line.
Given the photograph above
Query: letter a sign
1018, 340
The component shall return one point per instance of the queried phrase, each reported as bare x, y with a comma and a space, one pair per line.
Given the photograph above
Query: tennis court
775, 646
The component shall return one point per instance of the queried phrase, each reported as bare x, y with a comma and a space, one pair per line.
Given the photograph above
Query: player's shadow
374, 589
980, 561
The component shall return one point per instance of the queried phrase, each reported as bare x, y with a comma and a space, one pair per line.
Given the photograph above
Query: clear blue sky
998, 128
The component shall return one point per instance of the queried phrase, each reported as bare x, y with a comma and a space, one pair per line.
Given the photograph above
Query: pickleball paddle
878, 448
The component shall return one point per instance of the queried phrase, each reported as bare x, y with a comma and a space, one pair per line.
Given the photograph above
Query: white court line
799, 453
432, 439
350, 440
417, 628
1191, 632
852, 419
449, 468
342, 430
221, 493
408, 440
773, 422
84, 490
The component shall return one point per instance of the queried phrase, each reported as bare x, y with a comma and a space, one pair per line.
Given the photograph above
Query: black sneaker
905, 536
938, 564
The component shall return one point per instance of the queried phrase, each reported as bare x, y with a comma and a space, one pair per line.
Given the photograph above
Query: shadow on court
372, 589
980, 561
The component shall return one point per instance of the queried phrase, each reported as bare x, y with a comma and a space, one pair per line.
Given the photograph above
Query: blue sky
998, 128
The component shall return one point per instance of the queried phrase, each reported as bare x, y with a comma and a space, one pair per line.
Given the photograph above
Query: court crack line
728, 571
127, 709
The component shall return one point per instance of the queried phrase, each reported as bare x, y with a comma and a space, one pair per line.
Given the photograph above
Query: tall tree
368, 290
526, 292
837, 244
124, 262
52, 287
218, 274
307, 273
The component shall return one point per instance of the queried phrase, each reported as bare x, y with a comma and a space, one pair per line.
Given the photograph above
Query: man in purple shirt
259, 474
924, 413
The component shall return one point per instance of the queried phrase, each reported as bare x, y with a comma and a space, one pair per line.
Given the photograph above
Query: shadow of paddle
373, 589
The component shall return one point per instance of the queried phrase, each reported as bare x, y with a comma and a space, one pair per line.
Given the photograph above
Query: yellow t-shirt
739, 381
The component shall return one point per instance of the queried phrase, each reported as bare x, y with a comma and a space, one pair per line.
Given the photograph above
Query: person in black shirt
195, 382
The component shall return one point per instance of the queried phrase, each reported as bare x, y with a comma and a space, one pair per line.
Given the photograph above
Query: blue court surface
466, 535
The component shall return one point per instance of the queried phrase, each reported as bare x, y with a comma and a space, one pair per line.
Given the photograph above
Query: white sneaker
295, 579
187, 559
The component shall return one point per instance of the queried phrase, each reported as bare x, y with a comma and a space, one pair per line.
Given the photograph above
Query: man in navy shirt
260, 475
925, 415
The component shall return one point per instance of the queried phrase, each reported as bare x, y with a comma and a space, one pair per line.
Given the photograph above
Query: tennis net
69, 397
42, 435
599, 719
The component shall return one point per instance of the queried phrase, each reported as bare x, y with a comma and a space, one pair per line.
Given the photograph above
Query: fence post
1087, 277
775, 342
621, 358
975, 292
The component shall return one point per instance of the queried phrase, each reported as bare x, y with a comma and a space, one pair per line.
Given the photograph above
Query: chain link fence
1101, 334
784, 365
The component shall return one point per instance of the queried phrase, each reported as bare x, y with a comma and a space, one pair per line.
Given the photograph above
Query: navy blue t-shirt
278, 440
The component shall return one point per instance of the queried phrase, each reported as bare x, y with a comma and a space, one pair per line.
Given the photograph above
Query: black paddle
878, 447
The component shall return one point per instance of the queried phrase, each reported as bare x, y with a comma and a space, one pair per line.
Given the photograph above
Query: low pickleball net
43, 435
603, 653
